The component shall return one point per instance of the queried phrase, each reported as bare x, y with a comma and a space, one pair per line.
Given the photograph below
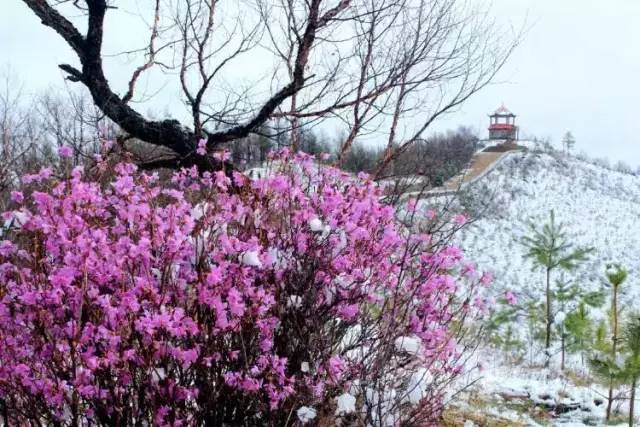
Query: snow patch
251, 259
346, 404
306, 414
411, 345
316, 225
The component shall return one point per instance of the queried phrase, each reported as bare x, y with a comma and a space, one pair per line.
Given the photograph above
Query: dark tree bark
362, 62
167, 133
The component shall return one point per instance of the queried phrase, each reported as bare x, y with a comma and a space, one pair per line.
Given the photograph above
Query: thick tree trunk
168, 133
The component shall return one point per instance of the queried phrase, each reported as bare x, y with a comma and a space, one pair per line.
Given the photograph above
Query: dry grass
475, 410
579, 379
454, 417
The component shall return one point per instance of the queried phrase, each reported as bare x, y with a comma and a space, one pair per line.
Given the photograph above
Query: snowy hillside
600, 207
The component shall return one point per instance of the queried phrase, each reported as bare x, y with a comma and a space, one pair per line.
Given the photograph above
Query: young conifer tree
551, 248
579, 328
568, 142
605, 364
625, 371
631, 336
564, 294
616, 275
576, 329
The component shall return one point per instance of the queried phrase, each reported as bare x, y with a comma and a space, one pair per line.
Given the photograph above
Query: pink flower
107, 145
222, 155
486, 278
510, 298
348, 312
187, 357
234, 300
17, 196
469, 270
335, 367
144, 282
65, 151
62, 277
202, 147
214, 276
459, 219
6, 248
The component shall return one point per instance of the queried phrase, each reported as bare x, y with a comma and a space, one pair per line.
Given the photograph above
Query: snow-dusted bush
217, 300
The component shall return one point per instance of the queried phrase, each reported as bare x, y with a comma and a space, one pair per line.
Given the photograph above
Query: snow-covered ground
601, 209
525, 396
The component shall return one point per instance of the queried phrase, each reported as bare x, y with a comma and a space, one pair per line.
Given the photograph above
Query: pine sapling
550, 248
616, 275
579, 328
631, 336
565, 293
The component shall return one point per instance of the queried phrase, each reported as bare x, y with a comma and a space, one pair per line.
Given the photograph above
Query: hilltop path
481, 164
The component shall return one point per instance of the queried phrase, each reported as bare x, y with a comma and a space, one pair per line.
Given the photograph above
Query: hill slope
600, 207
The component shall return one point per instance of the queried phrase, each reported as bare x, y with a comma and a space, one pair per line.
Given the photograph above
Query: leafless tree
32, 126
376, 67
18, 134
70, 118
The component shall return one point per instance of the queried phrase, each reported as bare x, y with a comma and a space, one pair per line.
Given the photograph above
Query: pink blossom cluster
211, 299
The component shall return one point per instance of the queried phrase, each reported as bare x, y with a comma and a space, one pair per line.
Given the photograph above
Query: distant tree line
33, 126
435, 159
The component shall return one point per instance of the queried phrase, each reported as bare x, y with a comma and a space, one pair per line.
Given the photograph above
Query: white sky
577, 69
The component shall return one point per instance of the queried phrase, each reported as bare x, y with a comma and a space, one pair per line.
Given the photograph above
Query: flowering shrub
217, 300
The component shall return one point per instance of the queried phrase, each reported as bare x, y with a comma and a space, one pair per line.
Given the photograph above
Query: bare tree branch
379, 67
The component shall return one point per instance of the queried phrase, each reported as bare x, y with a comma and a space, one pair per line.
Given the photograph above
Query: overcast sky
577, 69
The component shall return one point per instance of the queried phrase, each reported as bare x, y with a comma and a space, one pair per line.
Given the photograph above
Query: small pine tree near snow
605, 364
568, 142
572, 320
501, 331
550, 248
564, 293
601, 343
579, 328
631, 371
625, 368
